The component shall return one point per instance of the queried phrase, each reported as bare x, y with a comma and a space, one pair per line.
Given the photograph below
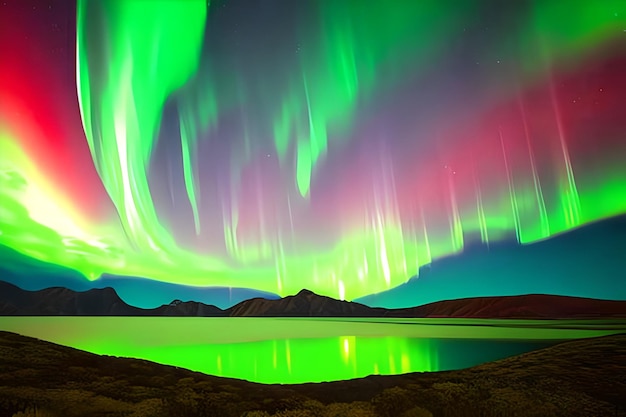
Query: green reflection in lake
295, 350
301, 360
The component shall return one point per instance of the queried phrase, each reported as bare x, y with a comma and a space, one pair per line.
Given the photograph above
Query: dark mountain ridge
304, 304
105, 302
518, 306
59, 301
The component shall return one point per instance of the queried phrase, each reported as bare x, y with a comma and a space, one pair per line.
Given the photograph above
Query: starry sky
334, 145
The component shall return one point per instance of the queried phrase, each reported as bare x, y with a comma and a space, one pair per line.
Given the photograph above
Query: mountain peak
305, 292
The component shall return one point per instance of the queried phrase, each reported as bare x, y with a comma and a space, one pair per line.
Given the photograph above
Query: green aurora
337, 146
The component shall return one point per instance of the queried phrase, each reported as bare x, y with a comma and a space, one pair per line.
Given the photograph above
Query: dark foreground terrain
576, 378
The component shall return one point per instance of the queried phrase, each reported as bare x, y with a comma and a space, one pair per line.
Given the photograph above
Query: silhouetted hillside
63, 302
520, 306
96, 302
187, 309
303, 304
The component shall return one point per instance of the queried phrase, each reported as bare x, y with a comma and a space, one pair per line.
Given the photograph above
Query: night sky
334, 145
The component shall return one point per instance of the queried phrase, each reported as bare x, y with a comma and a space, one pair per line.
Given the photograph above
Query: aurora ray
152, 50
289, 145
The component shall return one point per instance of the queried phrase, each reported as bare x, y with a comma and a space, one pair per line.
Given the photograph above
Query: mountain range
15, 301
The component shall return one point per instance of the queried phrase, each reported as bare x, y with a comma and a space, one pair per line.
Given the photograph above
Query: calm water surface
295, 350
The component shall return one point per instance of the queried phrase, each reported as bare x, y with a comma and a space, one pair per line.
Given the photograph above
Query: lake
296, 350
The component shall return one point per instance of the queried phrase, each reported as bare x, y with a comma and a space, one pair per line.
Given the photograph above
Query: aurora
338, 146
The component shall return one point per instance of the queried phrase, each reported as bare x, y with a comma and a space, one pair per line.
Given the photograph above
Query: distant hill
531, 306
303, 304
59, 301
96, 302
106, 302
148, 293
576, 378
